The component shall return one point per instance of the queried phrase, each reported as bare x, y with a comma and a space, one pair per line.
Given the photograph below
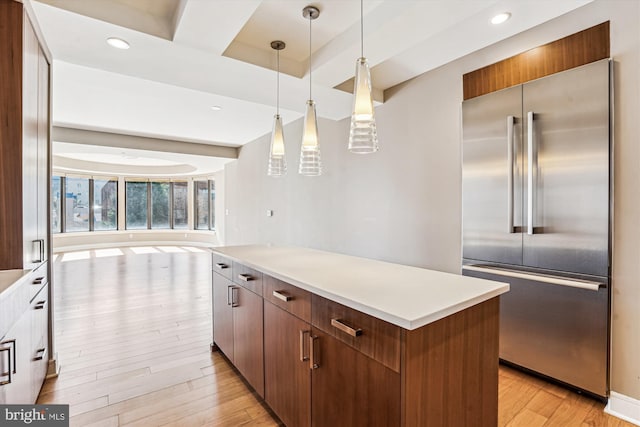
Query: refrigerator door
492, 177
560, 331
567, 171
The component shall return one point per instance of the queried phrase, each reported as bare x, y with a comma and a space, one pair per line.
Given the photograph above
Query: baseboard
53, 368
624, 407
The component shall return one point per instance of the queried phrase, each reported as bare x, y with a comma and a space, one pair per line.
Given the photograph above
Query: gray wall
403, 203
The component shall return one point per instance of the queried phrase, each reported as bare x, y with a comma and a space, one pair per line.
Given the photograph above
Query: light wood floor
133, 328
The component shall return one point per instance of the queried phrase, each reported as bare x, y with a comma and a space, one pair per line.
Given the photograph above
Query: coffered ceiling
186, 56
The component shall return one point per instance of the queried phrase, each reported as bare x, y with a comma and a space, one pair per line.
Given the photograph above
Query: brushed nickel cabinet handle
340, 325
13, 348
313, 361
38, 280
234, 297
303, 357
8, 372
245, 277
40, 354
221, 265
281, 296
228, 292
40, 305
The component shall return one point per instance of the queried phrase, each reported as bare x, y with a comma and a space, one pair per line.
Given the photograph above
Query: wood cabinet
24, 141
223, 315
248, 338
349, 388
286, 366
238, 321
326, 364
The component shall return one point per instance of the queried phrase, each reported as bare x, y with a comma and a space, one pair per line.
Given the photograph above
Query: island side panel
450, 374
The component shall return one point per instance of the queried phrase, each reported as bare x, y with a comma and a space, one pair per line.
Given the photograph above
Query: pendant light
310, 164
277, 161
363, 137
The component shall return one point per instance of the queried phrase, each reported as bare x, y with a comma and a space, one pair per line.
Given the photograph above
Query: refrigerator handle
531, 151
510, 126
554, 280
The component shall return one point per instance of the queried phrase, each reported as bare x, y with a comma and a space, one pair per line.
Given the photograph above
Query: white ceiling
187, 55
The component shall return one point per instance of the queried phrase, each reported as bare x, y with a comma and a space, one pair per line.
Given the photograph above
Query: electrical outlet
269, 212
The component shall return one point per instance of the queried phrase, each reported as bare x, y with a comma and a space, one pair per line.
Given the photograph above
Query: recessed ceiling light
216, 107
500, 18
118, 43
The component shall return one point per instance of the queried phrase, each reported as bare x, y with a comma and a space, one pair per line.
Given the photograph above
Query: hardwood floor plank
133, 341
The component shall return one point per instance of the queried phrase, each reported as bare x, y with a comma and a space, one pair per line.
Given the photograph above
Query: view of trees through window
136, 195
88, 204
205, 197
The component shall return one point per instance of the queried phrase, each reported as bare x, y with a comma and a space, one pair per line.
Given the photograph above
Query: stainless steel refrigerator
537, 185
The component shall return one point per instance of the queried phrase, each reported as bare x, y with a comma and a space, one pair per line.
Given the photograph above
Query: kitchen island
330, 339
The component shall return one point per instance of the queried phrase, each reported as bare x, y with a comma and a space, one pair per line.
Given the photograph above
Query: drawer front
373, 337
288, 297
222, 265
247, 278
38, 279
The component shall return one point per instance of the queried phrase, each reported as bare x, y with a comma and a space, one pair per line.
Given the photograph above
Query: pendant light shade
310, 163
363, 136
277, 160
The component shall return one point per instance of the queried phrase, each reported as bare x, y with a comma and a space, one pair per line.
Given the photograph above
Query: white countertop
10, 277
405, 296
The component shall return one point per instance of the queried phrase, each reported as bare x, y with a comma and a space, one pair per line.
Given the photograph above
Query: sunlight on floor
144, 250
74, 256
170, 249
101, 253
192, 249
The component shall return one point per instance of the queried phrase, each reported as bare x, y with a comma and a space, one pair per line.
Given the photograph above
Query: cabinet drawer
373, 337
222, 265
288, 297
247, 278
38, 279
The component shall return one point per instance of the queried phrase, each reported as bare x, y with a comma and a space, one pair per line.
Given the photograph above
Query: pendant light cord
361, 29
278, 83
310, 19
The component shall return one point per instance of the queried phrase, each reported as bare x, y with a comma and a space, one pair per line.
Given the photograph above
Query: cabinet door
18, 339
39, 340
248, 355
223, 315
286, 366
349, 388
30, 238
43, 154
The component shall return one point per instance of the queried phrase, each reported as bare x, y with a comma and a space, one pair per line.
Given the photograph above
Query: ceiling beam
108, 139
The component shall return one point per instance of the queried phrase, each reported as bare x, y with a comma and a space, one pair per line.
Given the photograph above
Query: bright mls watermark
34, 415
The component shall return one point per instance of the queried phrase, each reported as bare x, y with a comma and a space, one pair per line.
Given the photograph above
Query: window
56, 211
160, 205
136, 196
202, 204
205, 196
180, 203
156, 205
105, 204
76, 204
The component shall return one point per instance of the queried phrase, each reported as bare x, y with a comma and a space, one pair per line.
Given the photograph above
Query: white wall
403, 203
